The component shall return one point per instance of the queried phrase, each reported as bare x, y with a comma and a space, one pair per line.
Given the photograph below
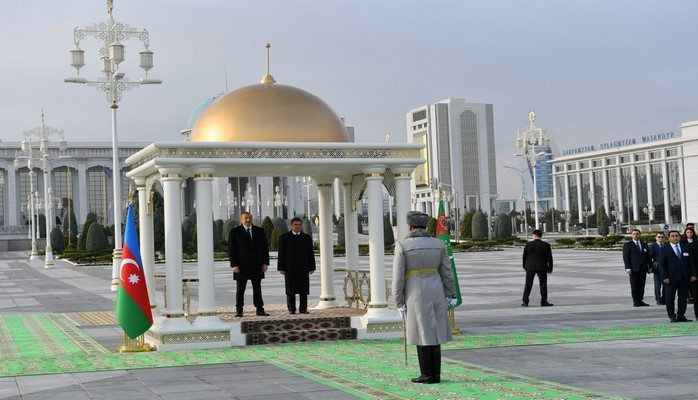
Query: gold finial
531, 116
110, 6
387, 138
268, 79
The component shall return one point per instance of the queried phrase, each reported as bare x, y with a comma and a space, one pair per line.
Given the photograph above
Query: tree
42, 226
227, 227
219, 228
96, 240
268, 227
466, 226
82, 239
602, 221
479, 226
307, 227
431, 226
503, 226
58, 242
281, 224
274, 242
158, 222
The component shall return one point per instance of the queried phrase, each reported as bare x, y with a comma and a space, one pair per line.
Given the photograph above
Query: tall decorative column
145, 227
171, 184
665, 184
207, 315
633, 187
378, 306
327, 296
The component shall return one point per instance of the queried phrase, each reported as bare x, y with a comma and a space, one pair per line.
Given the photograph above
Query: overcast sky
592, 70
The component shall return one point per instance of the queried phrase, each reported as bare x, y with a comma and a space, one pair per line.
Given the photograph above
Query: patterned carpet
53, 343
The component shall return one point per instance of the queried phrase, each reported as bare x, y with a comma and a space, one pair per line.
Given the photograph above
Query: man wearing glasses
655, 248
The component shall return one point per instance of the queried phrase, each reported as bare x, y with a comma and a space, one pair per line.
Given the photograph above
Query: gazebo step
297, 336
294, 324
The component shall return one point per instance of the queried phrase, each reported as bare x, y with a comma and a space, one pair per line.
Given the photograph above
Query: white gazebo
268, 130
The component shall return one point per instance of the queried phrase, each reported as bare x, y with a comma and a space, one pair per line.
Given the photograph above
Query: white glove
403, 311
451, 302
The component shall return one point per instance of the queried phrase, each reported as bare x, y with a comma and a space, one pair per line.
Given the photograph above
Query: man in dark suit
296, 263
249, 257
636, 259
537, 260
654, 263
677, 270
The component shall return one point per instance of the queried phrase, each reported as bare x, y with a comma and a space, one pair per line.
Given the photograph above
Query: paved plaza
592, 344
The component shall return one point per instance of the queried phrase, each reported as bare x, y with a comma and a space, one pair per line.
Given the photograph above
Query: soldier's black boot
424, 353
436, 364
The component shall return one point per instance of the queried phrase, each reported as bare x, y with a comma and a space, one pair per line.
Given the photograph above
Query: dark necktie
249, 233
677, 251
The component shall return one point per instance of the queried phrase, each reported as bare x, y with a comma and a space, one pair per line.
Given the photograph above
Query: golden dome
268, 113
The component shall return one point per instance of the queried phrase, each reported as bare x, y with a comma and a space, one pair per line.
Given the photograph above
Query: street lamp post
453, 196
649, 210
113, 84
586, 214
522, 219
565, 215
527, 140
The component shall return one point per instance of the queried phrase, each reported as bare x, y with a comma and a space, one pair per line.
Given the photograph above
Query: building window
596, 163
584, 165
559, 168
639, 157
624, 159
610, 161
571, 167
419, 115
655, 155
672, 152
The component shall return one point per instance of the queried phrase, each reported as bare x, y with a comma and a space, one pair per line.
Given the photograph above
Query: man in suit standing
655, 248
677, 270
636, 260
537, 260
249, 257
296, 263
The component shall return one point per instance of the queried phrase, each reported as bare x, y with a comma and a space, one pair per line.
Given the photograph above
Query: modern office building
460, 154
638, 180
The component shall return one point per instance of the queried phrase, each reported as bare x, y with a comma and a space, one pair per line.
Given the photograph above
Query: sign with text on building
657, 137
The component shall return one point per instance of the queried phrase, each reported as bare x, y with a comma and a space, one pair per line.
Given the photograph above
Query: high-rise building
460, 154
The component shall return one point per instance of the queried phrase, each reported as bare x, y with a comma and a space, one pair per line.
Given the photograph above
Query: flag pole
442, 232
134, 345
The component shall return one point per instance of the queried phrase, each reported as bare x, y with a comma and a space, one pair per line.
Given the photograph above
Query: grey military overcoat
424, 293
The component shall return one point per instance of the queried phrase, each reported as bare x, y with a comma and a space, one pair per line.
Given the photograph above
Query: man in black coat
537, 260
655, 248
249, 257
677, 270
296, 263
636, 258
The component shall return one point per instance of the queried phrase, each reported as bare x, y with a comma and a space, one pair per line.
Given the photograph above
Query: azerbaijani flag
442, 234
132, 302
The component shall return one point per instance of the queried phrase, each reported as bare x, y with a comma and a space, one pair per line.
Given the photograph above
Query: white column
80, 207
203, 179
607, 195
621, 195
145, 227
327, 296
48, 251
403, 198
378, 307
12, 204
592, 191
580, 204
566, 194
171, 184
633, 188
665, 184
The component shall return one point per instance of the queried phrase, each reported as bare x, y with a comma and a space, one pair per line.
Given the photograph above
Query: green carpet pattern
369, 369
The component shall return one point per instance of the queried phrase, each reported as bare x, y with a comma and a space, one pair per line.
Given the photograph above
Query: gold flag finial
268, 79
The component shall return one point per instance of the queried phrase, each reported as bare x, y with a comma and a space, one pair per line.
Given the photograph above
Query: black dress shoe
238, 314
661, 303
425, 379
673, 320
682, 318
292, 311
643, 304
546, 304
262, 313
524, 304
304, 312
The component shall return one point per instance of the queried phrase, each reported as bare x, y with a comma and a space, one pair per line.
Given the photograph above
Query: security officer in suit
249, 258
537, 260
636, 258
296, 262
677, 270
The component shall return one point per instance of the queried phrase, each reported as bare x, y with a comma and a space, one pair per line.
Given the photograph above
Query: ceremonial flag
107, 170
442, 234
132, 304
